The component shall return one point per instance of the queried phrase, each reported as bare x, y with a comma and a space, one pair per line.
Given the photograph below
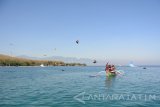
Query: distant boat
131, 65
41, 65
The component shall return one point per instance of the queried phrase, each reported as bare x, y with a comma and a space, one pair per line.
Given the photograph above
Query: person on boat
113, 69
110, 68
106, 67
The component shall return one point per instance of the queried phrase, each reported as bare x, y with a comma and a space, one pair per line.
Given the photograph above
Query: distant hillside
6, 60
87, 61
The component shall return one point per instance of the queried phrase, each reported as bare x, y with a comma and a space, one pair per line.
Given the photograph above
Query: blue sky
116, 30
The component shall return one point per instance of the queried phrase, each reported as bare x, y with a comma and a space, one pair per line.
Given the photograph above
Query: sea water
76, 87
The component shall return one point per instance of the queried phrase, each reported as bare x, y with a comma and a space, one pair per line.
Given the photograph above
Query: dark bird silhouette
77, 41
94, 61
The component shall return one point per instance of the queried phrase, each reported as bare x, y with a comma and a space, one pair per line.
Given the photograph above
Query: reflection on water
109, 82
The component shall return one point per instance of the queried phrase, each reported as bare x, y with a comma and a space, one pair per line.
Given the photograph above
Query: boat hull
109, 74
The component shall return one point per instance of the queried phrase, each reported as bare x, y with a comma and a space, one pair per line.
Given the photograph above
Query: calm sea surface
77, 87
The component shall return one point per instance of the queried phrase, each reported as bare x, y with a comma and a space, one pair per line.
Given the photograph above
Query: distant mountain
28, 57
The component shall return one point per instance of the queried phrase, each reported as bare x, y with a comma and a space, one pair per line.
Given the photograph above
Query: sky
115, 30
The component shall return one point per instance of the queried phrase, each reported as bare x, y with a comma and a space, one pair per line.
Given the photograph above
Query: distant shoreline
6, 60
86, 66
52, 66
